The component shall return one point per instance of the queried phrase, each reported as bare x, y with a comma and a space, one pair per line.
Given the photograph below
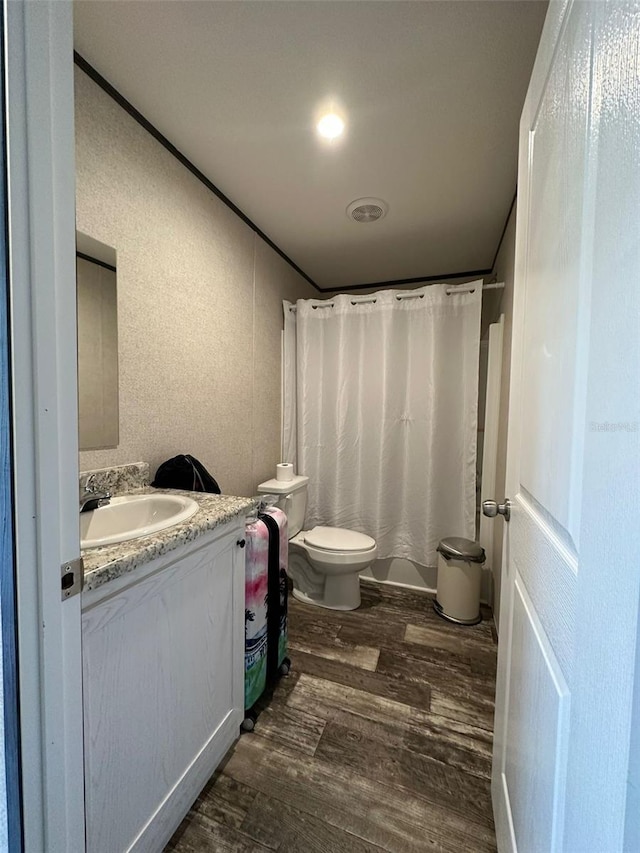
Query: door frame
41, 213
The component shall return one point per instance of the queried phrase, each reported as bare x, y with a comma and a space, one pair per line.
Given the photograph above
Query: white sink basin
132, 516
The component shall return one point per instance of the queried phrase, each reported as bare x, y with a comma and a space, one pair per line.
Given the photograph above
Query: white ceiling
432, 93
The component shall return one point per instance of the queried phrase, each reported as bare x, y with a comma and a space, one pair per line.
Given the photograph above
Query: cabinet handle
241, 543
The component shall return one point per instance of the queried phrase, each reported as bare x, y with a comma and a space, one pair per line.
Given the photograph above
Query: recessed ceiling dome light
367, 209
330, 126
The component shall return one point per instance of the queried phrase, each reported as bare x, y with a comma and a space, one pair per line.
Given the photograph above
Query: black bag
187, 473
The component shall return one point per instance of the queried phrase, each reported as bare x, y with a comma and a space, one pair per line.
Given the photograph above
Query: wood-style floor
380, 739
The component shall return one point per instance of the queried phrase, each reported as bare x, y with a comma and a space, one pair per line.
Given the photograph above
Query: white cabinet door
163, 695
569, 611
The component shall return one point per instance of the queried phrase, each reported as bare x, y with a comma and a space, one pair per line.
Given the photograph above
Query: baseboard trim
398, 584
484, 599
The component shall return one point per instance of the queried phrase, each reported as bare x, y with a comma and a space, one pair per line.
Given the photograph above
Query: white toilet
324, 562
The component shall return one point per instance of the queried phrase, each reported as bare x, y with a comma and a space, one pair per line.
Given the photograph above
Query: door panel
550, 457
537, 732
545, 458
533, 544
571, 589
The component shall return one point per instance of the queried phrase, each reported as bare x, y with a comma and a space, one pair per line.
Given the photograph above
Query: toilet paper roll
284, 471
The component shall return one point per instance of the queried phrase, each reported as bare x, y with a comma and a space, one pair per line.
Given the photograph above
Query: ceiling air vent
367, 209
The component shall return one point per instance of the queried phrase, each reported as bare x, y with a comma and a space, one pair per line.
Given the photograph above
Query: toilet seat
338, 539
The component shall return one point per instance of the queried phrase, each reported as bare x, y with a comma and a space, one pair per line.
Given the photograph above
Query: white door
569, 613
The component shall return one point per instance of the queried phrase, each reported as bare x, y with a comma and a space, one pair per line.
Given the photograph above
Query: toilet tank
291, 497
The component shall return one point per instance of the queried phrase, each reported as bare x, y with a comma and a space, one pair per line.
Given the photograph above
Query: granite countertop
104, 564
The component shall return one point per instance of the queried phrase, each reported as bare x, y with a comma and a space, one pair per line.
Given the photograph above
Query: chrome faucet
90, 497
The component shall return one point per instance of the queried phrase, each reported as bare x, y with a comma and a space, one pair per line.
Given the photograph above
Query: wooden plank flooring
379, 740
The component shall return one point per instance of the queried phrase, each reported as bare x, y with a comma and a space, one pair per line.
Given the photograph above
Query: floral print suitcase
266, 594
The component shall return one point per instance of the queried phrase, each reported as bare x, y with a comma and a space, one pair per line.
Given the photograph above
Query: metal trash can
459, 576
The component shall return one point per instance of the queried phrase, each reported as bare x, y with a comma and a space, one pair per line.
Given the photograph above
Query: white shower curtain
380, 406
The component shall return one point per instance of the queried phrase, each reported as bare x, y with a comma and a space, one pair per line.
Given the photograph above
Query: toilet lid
338, 539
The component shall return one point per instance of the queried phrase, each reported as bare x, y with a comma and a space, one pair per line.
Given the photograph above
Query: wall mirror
98, 420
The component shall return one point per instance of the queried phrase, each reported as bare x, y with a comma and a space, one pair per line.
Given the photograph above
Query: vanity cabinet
163, 688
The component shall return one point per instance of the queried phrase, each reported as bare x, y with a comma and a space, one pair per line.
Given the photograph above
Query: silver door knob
493, 508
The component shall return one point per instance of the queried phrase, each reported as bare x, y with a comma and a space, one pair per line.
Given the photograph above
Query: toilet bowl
324, 562
329, 572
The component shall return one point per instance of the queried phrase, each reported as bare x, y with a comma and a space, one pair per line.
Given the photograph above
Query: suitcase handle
241, 543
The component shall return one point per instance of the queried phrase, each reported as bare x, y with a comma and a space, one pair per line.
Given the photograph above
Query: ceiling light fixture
330, 126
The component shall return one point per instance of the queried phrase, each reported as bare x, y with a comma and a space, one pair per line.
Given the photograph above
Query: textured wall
199, 304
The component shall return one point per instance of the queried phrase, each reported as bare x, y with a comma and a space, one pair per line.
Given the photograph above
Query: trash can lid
456, 548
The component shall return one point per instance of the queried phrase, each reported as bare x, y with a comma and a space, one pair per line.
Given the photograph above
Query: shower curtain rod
468, 288
451, 289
